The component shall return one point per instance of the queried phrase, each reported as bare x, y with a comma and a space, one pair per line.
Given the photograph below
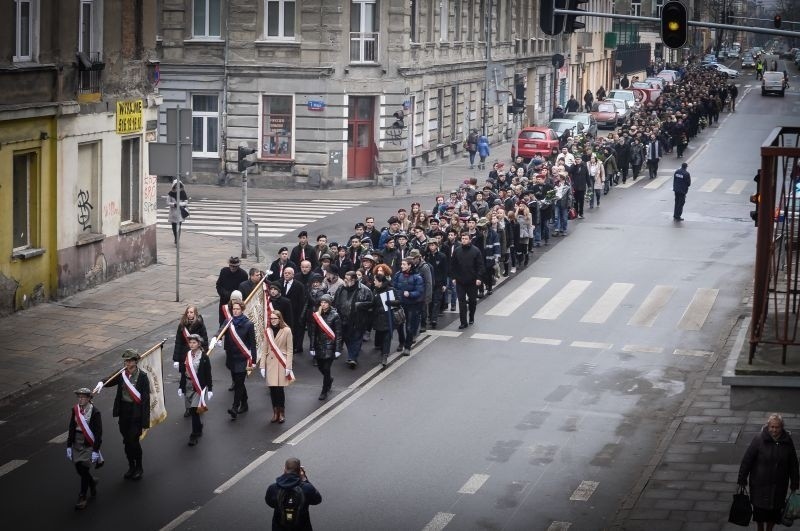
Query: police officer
681, 181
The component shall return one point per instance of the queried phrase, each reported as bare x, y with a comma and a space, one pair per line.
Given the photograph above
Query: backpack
290, 502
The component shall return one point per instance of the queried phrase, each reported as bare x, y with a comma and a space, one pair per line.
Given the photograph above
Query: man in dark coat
353, 302
285, 516
281, 303
303, 251
296, 293
681, 181
324, 347
581, 180
228, 280
466, 268
247, 286
573, 104
281, 263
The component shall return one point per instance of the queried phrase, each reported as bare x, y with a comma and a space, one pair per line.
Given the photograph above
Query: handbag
741, 511
184, 213
572, 213
791, 509
398, 316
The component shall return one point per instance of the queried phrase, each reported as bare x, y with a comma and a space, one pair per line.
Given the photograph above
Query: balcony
363, 48
89, 71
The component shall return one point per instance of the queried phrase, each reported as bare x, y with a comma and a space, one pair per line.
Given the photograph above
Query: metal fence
252, 241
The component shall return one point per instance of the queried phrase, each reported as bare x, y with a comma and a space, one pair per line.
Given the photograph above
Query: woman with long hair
177, 202
191, 322
276, 364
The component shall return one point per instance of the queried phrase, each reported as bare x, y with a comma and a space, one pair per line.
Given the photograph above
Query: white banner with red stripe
81, 421
279, 354
226, 311
135, 394
324, 326
192, 372
240, 344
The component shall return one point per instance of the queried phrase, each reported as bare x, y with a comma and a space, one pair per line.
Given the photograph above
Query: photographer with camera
290, 496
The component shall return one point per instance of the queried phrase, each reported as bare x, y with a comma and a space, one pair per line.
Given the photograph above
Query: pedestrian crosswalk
711, 185
639, 306
221, 217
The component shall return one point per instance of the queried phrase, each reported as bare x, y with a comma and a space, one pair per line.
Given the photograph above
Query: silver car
588, 121
623, 110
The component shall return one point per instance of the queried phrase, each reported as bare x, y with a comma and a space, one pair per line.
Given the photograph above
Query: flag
151, 365
256, 312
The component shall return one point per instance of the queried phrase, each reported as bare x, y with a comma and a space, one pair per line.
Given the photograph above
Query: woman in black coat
237, 359
195, 385
84, 437
770, 462
382, 321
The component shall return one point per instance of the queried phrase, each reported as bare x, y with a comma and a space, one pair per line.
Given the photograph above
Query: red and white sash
192, 372
239, 343
135, 395
279, 353
186, 334
226, 311
81, 421
324, 326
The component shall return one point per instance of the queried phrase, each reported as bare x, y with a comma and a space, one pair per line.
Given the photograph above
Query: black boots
137, 473
131, 469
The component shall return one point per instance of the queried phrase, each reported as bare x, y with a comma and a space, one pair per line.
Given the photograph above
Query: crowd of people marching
329, 296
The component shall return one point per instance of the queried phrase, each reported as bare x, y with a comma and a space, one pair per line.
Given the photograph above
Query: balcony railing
363, 47
90, 70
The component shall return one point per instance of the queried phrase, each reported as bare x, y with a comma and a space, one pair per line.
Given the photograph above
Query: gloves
95, 457
212, 344
337, 354
288, 372
69, 453
209, 395
263, 373
175, 364
180, 392
312, 353
98, 388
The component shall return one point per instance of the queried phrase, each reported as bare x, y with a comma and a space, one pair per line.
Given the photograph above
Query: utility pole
488, 32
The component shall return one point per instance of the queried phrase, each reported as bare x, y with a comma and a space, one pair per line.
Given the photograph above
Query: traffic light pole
244, 213
178, 200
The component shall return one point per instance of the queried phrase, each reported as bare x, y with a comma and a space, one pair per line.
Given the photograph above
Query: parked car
559, 125
773, 83
656, 82
748, 61
734, 54
535, 141
626, 95
605, 114
623, 110
724, 69
588, 121
669, 76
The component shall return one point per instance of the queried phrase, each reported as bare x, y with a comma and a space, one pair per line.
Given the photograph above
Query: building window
276, 131
543, 93
444, 18
415, 20
88, 198
440, 116
130, 185
636, 8
363, 32
279, 22
85, 36
25, 29
453, 112
470, 22
205, 125
659, 6
26, 192
207, 18
430, 21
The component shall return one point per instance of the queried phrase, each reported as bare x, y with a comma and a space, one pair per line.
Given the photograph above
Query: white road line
516, 298
690, 352
627, 184
710, 185
643, 348
352, 202
220, 221
257, 462
230, 232
737, 186
179, 520
697, 312
607, 303
473, 484
444, 333
59, 439
584, 491
439, 522
648, 312
11, 465
541, 341
562, 299
591, 344
657, 182
559, 526
491, 337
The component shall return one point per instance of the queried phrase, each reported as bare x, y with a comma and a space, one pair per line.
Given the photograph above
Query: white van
773, 82
625, 95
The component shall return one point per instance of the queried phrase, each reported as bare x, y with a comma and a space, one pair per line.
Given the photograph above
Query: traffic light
777, 21
674, 25
572, 24
756, 197
549, 22
399, 119
243, 154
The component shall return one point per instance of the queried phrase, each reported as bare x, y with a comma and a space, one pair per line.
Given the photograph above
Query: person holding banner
132, 407
276, 364
84, 438
326, 341
196, 372
191, 323
240, 348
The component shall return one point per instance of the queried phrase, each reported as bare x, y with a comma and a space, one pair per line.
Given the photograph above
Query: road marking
541, 341
514, 300
710, 185
11, 465
473, 484
260, 460
439, 521
690, 352
179, 520
648, 312
559, 526
657, 182
606, 304
643, 348
697, 312
491, 337
59, 439
591, 344
737, 187
444, 333
562, 299
627, 184
584, 491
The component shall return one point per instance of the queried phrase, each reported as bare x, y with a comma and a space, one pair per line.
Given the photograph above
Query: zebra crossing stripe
516, 298
695, 315
710, 185
645, 349
627, 184
657, 182
607, 303
562, 300
648, 311
737, 187
541, 341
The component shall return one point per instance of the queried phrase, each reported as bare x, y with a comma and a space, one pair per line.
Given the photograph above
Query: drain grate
713, 433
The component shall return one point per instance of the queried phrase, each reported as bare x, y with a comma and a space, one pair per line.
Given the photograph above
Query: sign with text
316, 105
129, 116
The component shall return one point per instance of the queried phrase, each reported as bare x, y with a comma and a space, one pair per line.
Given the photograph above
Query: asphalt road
550, 414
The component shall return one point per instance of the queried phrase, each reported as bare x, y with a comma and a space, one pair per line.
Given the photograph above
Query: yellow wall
35, 276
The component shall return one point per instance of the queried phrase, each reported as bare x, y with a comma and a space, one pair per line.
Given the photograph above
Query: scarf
238, 320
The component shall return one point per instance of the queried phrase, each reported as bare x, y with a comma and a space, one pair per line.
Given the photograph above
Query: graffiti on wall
149, 193
84, 210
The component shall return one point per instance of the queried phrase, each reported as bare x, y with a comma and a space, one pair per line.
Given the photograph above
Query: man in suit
303, 251
281, 303
296, 293
653, 156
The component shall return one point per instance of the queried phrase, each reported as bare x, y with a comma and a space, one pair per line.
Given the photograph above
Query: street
544, 415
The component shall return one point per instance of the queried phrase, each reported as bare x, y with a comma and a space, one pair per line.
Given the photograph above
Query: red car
605, 114
535, 141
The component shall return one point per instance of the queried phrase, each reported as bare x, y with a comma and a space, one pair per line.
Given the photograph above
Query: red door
360, 142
